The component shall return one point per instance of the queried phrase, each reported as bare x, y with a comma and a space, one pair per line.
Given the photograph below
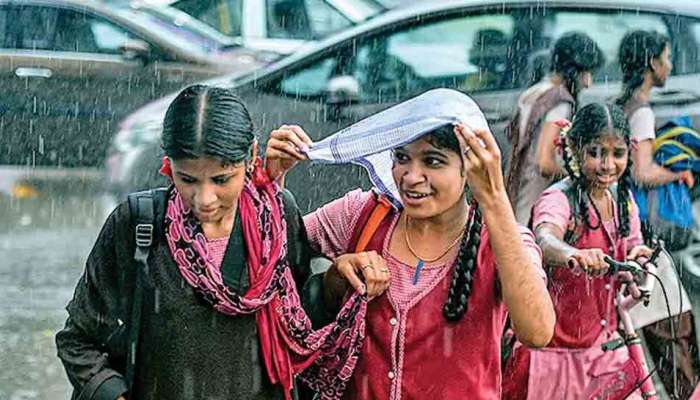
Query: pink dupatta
325, 359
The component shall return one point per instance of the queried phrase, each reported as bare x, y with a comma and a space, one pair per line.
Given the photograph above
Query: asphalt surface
48, 222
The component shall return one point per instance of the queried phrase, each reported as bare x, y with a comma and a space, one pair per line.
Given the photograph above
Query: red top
411, 351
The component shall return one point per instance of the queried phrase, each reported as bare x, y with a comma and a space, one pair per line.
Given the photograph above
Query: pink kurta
411, 351
586, 313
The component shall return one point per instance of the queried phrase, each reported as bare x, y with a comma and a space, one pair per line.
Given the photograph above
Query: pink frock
586, 314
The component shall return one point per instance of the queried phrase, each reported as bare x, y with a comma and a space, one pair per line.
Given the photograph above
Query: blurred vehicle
71, 69
489, 49
280, 26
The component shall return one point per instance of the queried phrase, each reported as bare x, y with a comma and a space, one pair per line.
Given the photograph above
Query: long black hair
463, 275
637, 49
208, 121
590, 123
574, 53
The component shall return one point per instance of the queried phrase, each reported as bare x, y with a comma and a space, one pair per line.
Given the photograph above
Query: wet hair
637, 49
573, 54
208, 121
463, 275
590, 123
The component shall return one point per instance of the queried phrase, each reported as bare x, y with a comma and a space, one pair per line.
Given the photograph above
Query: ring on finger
364, 267
386, 271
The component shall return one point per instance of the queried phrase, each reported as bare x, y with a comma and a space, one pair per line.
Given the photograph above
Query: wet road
48, 221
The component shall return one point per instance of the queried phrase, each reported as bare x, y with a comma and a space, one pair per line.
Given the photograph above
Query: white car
279, 26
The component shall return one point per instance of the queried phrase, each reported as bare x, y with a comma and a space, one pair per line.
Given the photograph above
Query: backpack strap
380, 210
372, 220
142, 206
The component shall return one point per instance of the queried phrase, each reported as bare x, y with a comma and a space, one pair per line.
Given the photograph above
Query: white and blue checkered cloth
369, 142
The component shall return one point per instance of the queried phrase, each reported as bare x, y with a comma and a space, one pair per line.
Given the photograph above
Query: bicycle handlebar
633, 266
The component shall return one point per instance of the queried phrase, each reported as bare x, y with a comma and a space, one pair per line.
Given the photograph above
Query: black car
71, 69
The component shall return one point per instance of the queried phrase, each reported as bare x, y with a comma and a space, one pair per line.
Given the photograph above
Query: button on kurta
393, 321
392, 375
603, 322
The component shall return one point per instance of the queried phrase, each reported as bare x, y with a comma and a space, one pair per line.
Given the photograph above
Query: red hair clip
260, 176
165, 168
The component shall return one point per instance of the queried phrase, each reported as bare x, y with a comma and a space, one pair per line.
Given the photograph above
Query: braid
463, 275
623, 198
583, 204
630, 85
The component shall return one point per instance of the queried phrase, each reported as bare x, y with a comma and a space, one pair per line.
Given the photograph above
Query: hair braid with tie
462, 281
590, 123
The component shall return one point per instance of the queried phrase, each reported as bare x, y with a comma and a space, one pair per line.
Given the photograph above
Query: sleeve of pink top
330, 227
533, 250
551, 208
635, 238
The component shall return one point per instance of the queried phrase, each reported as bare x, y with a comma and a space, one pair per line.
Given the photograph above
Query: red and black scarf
325, 358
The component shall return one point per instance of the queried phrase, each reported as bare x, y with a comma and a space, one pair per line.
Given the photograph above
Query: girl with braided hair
578, 222
456, 257
645, 60
532, 131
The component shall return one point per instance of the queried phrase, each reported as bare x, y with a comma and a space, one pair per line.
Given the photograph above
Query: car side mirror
136, 50
342, 90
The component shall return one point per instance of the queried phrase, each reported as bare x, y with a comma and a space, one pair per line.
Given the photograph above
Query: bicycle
639, 280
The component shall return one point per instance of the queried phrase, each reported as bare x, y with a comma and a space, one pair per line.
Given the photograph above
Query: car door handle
29, 72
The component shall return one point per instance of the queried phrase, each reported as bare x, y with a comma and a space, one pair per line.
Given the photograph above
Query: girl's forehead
205, 165
609, 140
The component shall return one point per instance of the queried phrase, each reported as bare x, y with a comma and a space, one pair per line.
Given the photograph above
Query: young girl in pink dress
578, 222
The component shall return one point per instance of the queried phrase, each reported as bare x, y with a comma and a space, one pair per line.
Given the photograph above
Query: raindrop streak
156, 301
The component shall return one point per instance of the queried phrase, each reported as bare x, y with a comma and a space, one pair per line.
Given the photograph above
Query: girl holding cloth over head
447, 236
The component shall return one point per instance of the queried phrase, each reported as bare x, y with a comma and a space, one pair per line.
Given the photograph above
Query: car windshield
183, 21
358, 10
183, 34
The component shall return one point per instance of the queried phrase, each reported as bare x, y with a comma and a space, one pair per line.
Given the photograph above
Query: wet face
662, 67
429, 178
604, 161
209, 187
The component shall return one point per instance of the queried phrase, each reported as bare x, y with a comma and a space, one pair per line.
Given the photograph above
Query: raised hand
482, 162
284, 149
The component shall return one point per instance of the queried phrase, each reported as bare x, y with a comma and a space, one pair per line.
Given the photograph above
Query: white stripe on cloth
369, 142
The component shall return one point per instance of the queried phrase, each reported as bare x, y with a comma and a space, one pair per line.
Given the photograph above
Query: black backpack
143, 206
